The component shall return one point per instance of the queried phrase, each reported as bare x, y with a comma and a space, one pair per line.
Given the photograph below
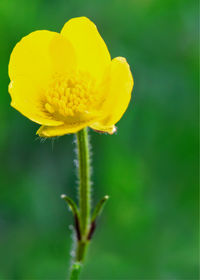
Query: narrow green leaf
71, 204
73, 207
99, 207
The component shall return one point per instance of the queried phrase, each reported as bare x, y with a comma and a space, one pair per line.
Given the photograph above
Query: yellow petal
26, 98
117, 86
40, 54
91, 51
62, 55
32, 63
67, 128
30, 57
103, 129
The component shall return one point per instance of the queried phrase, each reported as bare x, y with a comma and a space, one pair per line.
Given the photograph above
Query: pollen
70, 94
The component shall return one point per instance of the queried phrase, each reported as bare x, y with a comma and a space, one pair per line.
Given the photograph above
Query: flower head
67, 81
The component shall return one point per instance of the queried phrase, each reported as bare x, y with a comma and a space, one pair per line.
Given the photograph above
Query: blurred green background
149, 228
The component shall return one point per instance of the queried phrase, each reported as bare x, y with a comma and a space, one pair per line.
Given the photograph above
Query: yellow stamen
69, 95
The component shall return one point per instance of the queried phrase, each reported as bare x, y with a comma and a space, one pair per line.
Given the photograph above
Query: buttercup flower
67, 81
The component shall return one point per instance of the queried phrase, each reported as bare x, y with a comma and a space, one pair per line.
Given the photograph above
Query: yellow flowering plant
67, 82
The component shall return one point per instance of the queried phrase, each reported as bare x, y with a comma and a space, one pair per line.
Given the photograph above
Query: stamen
49, 108
67, 96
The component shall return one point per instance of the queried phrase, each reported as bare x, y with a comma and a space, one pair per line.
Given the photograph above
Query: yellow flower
67, 81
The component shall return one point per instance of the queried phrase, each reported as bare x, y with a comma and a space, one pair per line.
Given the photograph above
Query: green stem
84, 179
84, 201
75, 271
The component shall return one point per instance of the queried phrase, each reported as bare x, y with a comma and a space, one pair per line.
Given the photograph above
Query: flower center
69, 95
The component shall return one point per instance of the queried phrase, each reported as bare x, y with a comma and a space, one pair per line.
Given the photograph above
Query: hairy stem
84, 201
84, 179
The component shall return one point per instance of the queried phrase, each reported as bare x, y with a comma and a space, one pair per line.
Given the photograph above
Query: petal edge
117, 86
91, 50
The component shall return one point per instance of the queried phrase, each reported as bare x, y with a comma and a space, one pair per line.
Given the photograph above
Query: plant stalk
84, 201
